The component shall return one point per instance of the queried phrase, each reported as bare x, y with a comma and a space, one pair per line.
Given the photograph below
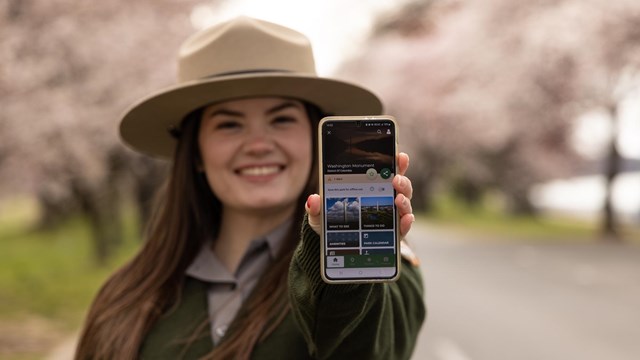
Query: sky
594, 128
335, 27
585, 195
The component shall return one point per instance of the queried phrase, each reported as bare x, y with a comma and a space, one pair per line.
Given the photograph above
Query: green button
385, 173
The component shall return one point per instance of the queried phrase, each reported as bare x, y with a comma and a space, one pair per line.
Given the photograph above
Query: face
256, 153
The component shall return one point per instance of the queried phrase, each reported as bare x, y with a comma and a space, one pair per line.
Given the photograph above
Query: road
495, 300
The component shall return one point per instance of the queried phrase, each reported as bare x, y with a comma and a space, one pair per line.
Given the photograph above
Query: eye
227, 124
284, 119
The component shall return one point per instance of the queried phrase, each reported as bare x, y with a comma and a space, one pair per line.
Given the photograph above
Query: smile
260, 170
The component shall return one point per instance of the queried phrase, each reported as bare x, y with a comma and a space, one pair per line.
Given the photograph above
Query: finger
403, 185
403, 204
405, 213
403, 163
312, 207
405, 224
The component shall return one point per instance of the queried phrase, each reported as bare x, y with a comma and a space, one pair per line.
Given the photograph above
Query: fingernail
400, 180
413, 218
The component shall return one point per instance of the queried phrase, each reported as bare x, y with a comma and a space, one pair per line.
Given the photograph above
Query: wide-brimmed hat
240, 58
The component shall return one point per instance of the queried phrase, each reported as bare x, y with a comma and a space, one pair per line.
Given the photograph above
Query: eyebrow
274, 109
225, 112
282, 106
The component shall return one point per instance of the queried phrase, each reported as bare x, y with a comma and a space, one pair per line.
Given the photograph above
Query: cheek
216, 150
303, 147
214, 158
302, 152
210, 157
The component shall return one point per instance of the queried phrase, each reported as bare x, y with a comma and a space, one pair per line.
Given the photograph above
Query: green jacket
362, 321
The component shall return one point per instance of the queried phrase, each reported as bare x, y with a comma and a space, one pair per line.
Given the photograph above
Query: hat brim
145, 126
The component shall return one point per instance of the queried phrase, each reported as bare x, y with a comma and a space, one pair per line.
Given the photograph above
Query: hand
404, 190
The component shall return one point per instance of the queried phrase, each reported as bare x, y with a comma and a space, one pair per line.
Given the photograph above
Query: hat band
244, 72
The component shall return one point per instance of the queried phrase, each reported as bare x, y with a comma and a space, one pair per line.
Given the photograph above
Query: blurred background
522, 120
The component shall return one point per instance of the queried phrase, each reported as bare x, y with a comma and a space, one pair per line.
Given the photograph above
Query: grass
49, 273
488, 220
48, 277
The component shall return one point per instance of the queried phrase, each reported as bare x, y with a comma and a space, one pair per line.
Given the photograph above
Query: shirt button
221, 330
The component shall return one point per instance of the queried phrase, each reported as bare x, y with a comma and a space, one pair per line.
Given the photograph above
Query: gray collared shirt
228, 291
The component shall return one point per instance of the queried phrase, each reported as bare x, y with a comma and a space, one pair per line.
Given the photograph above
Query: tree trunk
422, 199
54, 209
423, 175
106, 224
469, 192
101, 206
610, 228
519, 203
148, 176
101, 203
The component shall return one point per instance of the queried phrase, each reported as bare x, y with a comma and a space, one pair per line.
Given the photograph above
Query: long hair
187, 214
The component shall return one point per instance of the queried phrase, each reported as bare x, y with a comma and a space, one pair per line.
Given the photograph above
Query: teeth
260, 170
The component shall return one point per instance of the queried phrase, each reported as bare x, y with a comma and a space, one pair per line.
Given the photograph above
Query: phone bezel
323, 267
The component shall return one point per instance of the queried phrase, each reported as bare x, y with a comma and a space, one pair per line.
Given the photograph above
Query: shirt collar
207, 267
277, 238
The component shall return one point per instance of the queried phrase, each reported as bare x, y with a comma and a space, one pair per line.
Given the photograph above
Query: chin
266, 205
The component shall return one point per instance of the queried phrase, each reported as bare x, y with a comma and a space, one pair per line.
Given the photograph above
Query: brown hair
136, 295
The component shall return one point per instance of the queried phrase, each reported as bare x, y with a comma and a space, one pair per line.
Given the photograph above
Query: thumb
313, 210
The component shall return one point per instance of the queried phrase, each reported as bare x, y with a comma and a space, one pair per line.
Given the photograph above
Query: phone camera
358, 123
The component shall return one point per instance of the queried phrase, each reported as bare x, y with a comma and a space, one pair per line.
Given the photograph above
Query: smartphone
357, 162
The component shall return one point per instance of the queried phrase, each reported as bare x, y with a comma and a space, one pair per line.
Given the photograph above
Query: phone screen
358, 163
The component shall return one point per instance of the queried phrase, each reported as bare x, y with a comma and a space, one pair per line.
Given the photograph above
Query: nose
259, 144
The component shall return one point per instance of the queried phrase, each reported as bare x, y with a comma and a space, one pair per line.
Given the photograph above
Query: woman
230, 266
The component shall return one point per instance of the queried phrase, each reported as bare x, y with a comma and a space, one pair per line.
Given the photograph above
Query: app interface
359, 214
